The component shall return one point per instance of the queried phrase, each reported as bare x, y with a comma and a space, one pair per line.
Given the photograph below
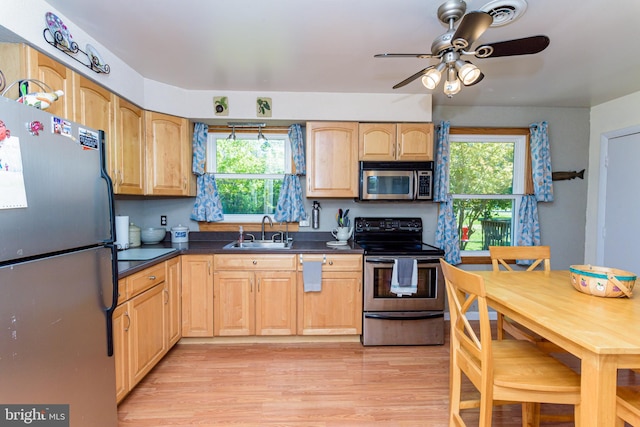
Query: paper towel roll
122, 232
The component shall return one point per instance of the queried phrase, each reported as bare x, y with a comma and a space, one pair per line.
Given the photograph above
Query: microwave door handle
416, 185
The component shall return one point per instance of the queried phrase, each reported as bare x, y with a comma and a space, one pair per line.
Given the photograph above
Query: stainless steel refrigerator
58, 274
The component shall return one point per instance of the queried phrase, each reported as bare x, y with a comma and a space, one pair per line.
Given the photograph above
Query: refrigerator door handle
114, 297
105, 175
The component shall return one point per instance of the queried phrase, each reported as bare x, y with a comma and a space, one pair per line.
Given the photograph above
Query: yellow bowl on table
602, 281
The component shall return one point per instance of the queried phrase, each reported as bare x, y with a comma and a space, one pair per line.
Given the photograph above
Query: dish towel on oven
404, 277
312, 276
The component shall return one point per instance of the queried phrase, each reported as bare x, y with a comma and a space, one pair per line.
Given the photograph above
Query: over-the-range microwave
396, 181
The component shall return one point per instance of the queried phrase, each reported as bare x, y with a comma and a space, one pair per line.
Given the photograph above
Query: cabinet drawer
333, 262
145, 279
122, 291
254, 262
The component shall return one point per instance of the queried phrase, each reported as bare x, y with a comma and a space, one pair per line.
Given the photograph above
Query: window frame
522, 185
248, 134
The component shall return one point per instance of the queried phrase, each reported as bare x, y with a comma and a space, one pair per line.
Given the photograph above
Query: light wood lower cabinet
147, 342
146, 324
121, 325
337, 308
254, 295
197, 295
173, 301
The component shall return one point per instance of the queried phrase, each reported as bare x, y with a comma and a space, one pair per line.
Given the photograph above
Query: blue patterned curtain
207, 206
541, 162
290, 204
528, 225
447, 231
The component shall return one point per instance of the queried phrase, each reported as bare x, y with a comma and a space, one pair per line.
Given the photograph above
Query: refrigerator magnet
35, 127
88, 139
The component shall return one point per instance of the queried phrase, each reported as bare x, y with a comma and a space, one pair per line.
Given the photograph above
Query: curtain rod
266, 129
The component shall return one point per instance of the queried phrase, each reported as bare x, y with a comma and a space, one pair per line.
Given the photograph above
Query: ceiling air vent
504, 11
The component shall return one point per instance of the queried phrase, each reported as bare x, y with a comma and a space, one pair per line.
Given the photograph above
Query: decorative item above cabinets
58, 35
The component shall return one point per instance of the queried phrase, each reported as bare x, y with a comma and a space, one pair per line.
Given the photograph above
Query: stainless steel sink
259, 244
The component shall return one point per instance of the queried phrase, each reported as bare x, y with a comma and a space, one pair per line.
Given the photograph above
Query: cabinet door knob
255, 262
152, 277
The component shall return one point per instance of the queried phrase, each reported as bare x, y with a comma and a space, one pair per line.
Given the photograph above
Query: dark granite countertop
204, 243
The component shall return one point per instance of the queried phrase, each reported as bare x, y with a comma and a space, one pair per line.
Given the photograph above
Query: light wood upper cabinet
168, 154
127, 160
20, 61
337, 308
332, 159
377, 141
395, 142
93, 106
254, 295
197, 295
56, 76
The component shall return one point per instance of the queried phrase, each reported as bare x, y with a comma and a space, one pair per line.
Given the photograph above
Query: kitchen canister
180, 234
134, 236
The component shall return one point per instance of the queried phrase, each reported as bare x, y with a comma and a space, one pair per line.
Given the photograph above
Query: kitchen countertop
208, 243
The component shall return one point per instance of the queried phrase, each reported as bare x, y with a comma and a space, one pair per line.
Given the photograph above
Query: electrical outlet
303, 223
163, 220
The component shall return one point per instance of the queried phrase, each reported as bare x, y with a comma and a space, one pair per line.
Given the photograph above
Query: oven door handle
418, 316
391, 261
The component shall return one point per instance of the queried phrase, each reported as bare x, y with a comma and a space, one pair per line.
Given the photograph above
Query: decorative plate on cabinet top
95, 58
59, 31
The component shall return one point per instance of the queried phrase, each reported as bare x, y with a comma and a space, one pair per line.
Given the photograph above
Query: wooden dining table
604, 333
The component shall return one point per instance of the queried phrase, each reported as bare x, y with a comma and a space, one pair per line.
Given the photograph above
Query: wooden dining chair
628, 406
503, 371
502, 259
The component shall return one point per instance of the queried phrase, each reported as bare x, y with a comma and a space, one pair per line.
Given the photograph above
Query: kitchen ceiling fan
456, 43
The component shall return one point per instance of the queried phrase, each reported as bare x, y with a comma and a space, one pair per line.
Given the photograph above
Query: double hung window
487, 181
249, 172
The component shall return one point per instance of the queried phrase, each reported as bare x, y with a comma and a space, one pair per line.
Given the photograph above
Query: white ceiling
328, 46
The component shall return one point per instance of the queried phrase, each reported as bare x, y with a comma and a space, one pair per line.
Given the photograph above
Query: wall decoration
263, 107
221, 105
57, 34
561, 176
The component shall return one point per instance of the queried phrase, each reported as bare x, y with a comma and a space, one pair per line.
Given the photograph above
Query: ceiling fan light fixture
431, 79
468, 73
452, 85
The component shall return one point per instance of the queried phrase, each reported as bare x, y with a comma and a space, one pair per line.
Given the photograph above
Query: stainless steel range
410, 313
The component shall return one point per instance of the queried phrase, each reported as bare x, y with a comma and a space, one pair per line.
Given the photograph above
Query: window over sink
249, 172
487, 181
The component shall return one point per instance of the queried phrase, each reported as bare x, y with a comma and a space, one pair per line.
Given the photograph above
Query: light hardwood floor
310, 385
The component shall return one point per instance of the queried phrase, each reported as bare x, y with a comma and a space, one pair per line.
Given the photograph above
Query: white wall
611, 116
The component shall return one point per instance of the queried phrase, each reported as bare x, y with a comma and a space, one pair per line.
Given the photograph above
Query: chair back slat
502, 257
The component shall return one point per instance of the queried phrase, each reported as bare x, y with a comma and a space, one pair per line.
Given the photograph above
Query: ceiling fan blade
471, 27
412, 78
403, 55
524, 46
